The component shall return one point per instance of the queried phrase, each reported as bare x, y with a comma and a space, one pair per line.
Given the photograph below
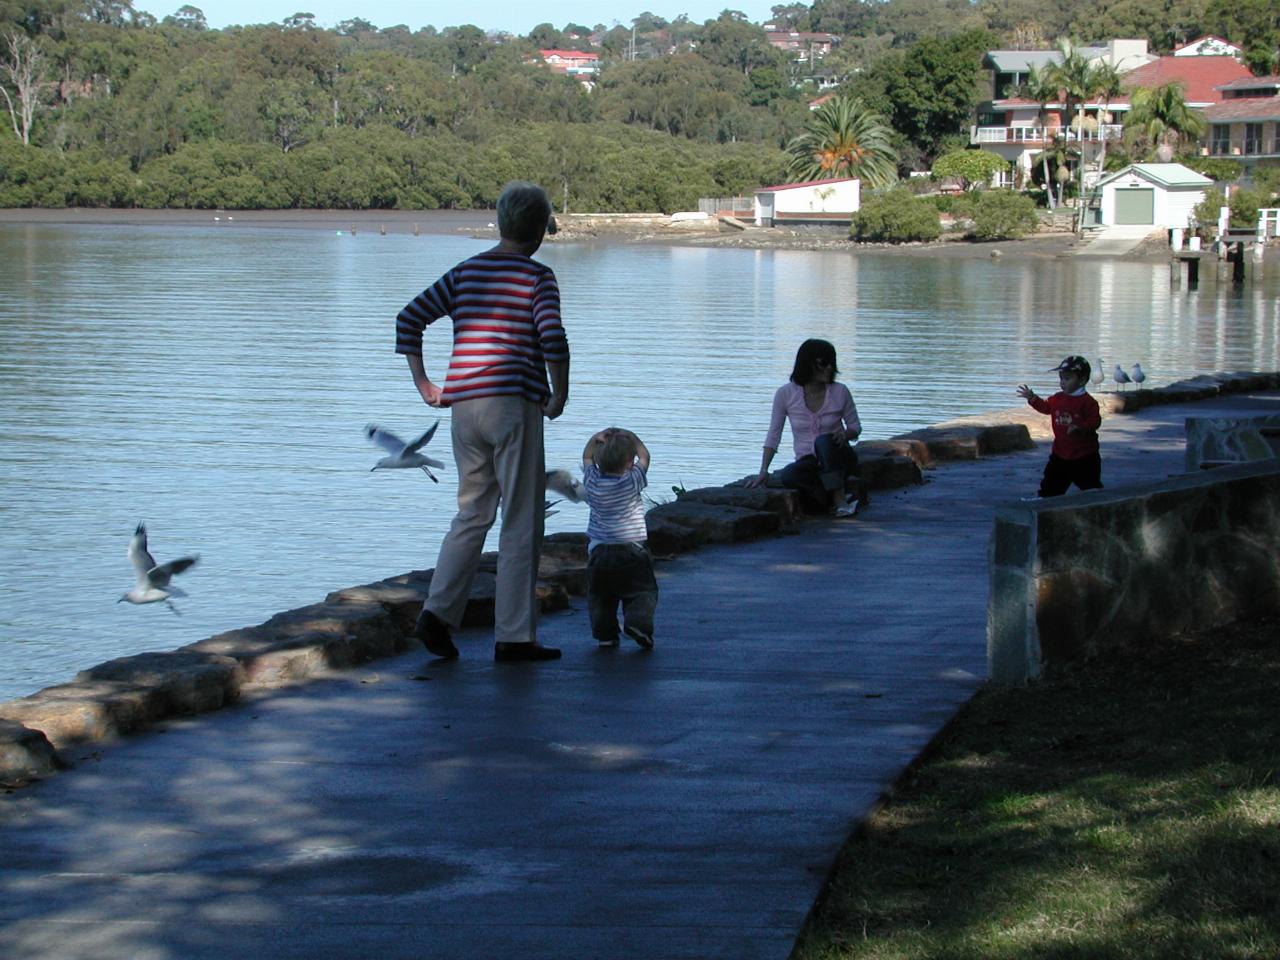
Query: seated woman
823, 420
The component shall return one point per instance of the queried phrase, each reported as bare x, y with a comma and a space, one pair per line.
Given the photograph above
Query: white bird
153, 579
401, 454
1099, 373
566, 484
1138, 376
1120, 376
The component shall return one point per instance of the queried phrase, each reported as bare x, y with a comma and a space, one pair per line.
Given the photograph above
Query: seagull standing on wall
153, 578
1099, 374
1137, 375
1120, 376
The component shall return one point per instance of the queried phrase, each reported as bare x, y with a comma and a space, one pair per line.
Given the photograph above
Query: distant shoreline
652, 228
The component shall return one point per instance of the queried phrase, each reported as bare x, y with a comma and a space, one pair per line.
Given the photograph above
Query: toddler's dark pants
621, 572
1059, 474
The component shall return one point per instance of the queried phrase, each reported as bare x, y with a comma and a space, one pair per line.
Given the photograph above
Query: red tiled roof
1198, 75
1245, 108
807, 183
1250, 82
568, 55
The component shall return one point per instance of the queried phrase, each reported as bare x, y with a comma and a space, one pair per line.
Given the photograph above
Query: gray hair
524, 211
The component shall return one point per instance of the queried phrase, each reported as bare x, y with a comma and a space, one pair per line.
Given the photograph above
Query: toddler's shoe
847, 509
640, 637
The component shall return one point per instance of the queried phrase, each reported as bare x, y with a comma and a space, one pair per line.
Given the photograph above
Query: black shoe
434, 634
504, 652
640, 637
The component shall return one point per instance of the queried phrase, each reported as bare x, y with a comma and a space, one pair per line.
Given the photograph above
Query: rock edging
361, 623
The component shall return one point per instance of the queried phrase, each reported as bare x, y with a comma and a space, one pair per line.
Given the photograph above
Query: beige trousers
497, 445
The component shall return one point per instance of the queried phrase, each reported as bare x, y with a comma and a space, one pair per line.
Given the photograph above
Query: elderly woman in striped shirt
507, 341
823, 421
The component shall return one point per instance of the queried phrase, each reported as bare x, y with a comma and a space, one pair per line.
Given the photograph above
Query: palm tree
1079, 81
844, 138
1106, 87
1160, 116
1040, 87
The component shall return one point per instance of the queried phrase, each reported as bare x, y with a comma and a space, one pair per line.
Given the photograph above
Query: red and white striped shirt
506, 326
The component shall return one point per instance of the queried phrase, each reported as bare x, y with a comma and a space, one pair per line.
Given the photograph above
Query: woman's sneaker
640, 637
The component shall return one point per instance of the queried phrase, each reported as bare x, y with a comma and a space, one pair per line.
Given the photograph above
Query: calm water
214, 382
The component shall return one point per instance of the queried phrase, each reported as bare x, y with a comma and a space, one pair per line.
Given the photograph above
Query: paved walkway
681, 804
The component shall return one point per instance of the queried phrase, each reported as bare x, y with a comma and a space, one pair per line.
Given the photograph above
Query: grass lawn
1128, 811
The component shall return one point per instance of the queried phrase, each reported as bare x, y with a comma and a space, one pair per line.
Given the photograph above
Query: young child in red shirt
1074, 458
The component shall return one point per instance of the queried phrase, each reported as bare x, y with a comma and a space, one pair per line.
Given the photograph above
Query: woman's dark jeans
821, 472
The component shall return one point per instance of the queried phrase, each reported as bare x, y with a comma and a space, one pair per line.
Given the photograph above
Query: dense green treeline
108, 106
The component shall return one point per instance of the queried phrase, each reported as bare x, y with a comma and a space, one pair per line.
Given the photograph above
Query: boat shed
816, 201
1151, 194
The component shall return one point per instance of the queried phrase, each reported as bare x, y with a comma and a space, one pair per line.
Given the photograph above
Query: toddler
619, 564
1074, 458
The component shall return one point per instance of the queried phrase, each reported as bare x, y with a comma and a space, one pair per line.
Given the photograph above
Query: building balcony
1253, 149
1040, 135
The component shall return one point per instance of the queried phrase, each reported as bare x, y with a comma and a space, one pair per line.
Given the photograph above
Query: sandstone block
889, 472
301, 642
183, 682
570, 574
667, 537
785, 503
25, 754
82, 712
915, 450
717, 523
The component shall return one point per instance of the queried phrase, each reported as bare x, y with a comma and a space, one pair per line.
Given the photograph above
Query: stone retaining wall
374, 620
1114, 571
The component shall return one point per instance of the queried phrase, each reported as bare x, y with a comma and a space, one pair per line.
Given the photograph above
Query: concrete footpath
684, 803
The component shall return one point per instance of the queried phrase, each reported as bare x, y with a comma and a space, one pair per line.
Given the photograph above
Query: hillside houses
1241, 109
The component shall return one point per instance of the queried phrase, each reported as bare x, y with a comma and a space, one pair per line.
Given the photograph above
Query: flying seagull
1137, 374
401, 454
153, 578
566, 484
1120, 376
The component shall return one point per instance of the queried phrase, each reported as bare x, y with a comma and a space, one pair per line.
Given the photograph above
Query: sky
508, 15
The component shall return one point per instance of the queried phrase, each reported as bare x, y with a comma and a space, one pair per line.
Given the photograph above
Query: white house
1155, 194
817, 201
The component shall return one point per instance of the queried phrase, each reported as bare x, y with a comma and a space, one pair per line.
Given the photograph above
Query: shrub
1003, 215
1215, 168
1244, 206
970, 166
895, 217
1204, 217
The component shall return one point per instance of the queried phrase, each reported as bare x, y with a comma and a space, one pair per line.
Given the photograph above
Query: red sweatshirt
1068, 411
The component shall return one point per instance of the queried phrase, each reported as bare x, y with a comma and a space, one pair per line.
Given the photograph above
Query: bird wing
387, 440
422, 440
431, 461
159, 574
565, 484
142, 560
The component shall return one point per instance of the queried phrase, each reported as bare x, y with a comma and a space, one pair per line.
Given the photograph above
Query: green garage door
1135, 206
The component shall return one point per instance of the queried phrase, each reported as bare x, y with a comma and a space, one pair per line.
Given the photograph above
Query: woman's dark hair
809, 355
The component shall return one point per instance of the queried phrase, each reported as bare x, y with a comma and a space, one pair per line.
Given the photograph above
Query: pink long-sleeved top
806, 426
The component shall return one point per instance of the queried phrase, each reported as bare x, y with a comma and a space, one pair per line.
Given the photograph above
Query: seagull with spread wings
401, 455
153, 583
